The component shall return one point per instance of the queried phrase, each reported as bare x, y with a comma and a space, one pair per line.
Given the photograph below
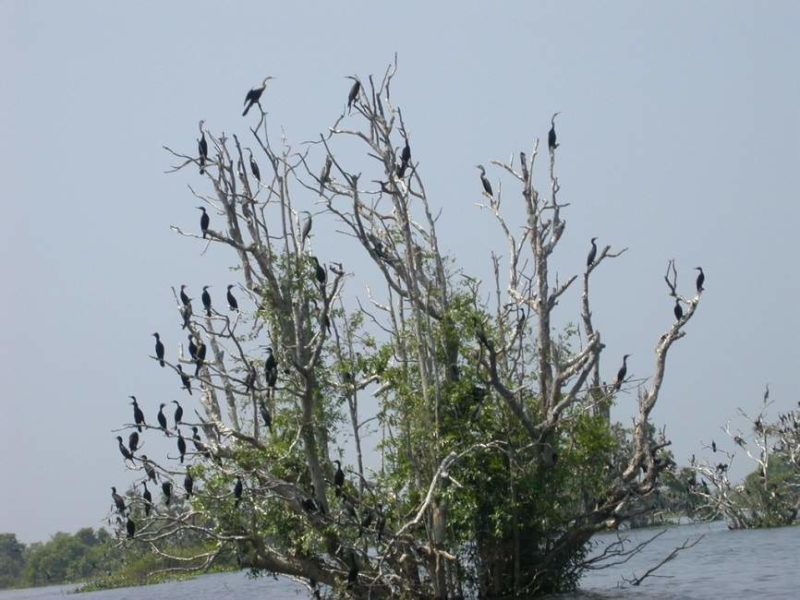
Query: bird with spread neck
487, 185
202, 149
126, 454
254, 96
159, 349
232, 303
592, 253
178, 413
162, 419
623, 371
551, 135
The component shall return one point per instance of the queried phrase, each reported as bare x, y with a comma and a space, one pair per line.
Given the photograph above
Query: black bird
166, 489
237, 491
678, 310
159, 349
401, 170
623, 370
592, 253
338, 478
133, 442
198, 443
254, 166
306, 228
405, 155
701, 279
487, 185
185, 300
232, 303
254, 96
250, 380
272, 380
551, 136
185, 381
353, 95
271, 371
319, 272
181, 445
188, 483
202, 149
138, 415
192, 347
266, 416
205, 221
325, 175
178, 413
713, 446
118, 501
162, 420
130, 526
149, 469
201, 357
186, 314
148, 499
206, 298
127, 454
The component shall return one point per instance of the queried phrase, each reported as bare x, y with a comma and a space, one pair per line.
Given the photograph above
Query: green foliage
12, 560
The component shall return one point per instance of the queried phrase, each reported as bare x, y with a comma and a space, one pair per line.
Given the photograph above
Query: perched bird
148, 499
130, 527
250, 380
133, 442
325, 175
270, 364
118, 501
201, 357
181, 445
202, 149
713, 446
592, 253
266, 416
185, 381
198, 443
159, 349
353, 95
185, 300
138, 415
405, 155
192, 347
149, 470
205, 221
678, 310
237, 491
232, 303
487, 185
551, 136
254, 96
739, 441
206, 298
338, 478
186, 315
623, 370
162, 420
254, 166
319, 272
188, 483
701, 279
306, 228
166, 489
178, 413
127, 454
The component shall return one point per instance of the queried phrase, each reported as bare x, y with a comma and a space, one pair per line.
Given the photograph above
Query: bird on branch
592, 253
202, 148
254, 96
551, 135
338, 478
162, 420
701, 279
254, 166
206, 298
178, 413
138, 415
205, 221
185, 381
232, 303
678, 310
118, 501
623, 371
487, 185
159, 349
353, 95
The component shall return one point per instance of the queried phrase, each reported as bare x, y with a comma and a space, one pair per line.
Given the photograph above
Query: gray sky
679, 133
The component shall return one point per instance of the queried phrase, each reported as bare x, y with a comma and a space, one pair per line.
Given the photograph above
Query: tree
12, 559
497, 458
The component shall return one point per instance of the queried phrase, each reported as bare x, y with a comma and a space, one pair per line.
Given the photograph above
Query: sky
680, 138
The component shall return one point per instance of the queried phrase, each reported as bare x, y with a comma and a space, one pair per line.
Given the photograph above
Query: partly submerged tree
485, 459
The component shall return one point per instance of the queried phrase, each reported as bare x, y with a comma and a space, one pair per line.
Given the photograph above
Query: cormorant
623, 370
701, 279
118, 500
250, 380
159, 349
186, 314
401, 170
185, 381
338, 478
325, 176
178, 413
181, 445
306, 229
138, 415
205, 221
319, 272
185, 300
487, 186
266, 416
162, 420
198, 443
202, 149
551, 136
130, 526
271, 370
678, 310
188, 483
237, 491
201, 357
206, 297
133, 442
232, 303
353, 95
713, 446
148, 499
127, 454
166, 489
405, 155
592, 253
149, 469
192, 347
254, 96
254, 166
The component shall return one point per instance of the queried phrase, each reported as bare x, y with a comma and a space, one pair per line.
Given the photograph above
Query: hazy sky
679, 139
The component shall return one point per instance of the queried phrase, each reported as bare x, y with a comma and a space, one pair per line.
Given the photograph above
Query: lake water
761, 564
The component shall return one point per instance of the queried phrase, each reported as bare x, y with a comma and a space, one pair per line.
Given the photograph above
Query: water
762, 564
